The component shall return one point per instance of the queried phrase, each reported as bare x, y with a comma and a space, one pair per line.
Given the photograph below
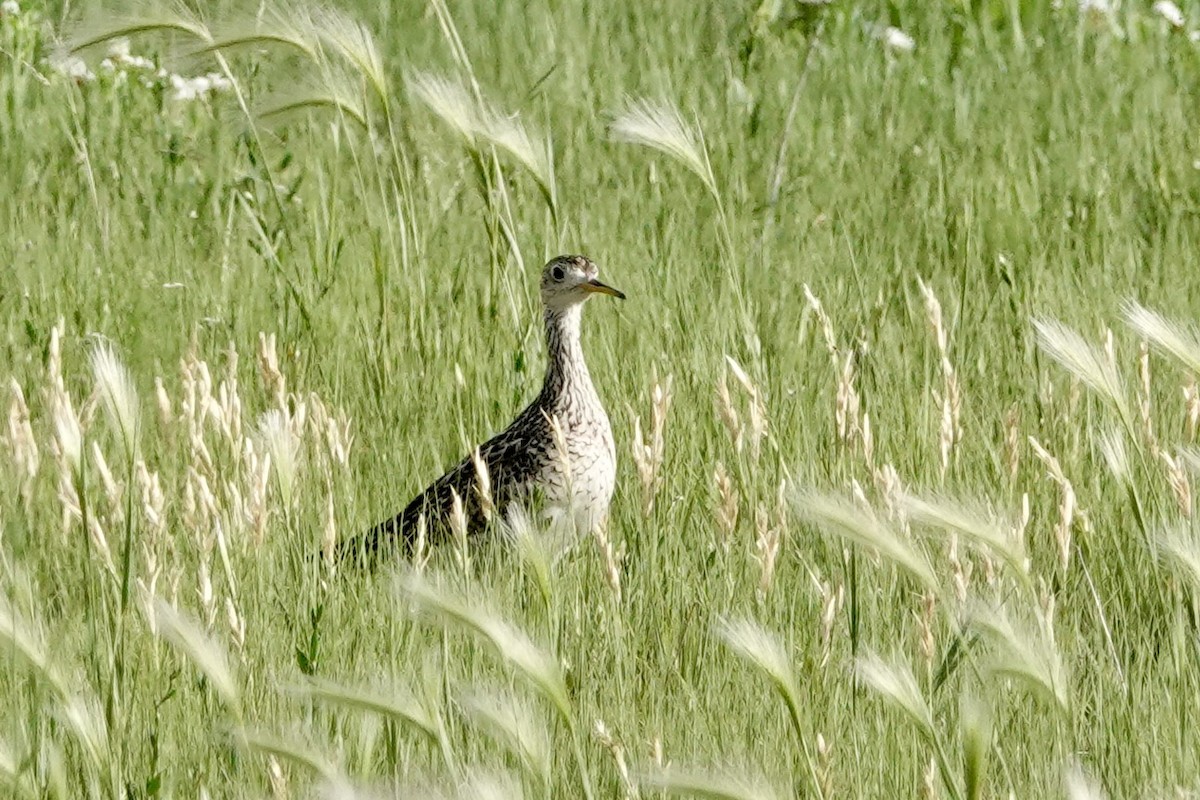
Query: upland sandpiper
526, 462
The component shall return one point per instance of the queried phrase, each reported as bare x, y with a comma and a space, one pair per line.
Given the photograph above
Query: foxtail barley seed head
520, 530
25, 641
396, 704
295, 752
354, 41
744, 785
1086, 362
660, 126
975, 525
1026, 653
512, 723
1179, 543
895, 684
975, 722
764, 651
860, 526
479, 124
116, 389
195, 645
450, 102
531, 662
1112, 447
1180, 342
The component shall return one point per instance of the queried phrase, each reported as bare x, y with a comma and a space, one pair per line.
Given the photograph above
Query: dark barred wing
512, 463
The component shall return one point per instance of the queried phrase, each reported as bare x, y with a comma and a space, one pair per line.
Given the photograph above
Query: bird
558, 451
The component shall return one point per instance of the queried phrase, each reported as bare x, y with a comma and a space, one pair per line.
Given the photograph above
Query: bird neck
566, 371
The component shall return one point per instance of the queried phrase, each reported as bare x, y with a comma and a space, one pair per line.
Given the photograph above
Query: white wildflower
896, 39
1170, 12
10, 8
72, 67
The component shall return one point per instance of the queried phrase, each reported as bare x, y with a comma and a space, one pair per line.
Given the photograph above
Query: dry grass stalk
950, 431
767, 541
268, 365
613, 558
329, 535
930, 782
726, 505
891, 490
1067, 507
21, 442
729, 415
1191, 407
153, 509
1012, 441
237, 624
831, 604
1145, 410
483, 485
818, 310
757, 410
256, 467
960, 570
925, 639
824, 767
1181, 485
847, 404
421, 554
279, 784
617, 751
458, 527
166, 413
648, 455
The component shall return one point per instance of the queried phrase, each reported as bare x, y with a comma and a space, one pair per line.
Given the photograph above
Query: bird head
569, 280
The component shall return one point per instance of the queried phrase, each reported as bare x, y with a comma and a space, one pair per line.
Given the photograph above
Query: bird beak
596, 287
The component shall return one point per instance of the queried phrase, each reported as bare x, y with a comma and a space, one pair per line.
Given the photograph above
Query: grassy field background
922, 500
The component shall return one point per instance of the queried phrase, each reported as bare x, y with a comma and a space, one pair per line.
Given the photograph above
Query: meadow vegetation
904, 395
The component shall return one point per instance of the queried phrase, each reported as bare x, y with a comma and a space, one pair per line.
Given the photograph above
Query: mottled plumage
523, 462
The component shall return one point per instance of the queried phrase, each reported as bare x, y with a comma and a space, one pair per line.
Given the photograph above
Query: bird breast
581, 480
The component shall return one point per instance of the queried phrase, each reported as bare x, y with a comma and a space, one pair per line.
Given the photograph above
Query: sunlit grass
925, 388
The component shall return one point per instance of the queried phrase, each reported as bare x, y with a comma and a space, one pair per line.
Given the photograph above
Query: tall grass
909, 368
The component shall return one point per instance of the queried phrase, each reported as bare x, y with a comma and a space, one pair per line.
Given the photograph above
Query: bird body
558, 451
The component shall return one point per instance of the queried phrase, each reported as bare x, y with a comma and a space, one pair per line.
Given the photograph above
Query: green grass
1026, 163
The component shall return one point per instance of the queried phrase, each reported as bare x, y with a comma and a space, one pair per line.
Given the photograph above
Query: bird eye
557, 272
